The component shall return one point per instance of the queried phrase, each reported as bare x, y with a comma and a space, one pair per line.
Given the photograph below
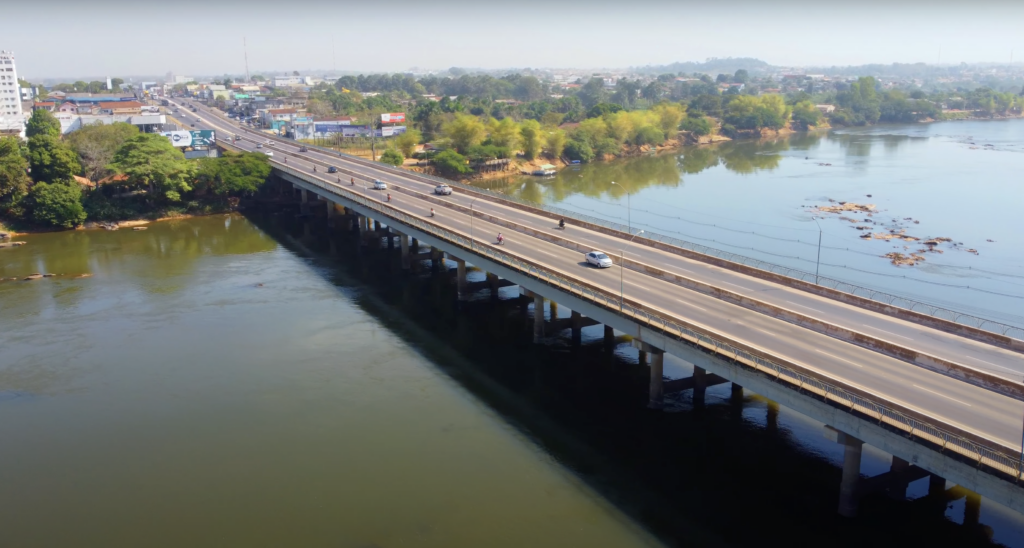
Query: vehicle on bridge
268, 152
599, 259
332, 169
192, 125
259, 145
443, 190
379, 185
303, 149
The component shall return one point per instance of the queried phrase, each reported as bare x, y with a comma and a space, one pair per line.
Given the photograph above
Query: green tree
465, 131
805, 114
51, 159
532, 138
14, 181
555, 141
505, 133
233, 174
528, 88
648, 135
42, 122
669, 117
579, 150
592, 93
449, 162
601, 109
96, 144
406, 142
149, 160
116, 83
392, 156
741, 76
697, 126
57, 204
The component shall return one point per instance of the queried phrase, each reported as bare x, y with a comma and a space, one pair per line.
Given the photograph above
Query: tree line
126, 173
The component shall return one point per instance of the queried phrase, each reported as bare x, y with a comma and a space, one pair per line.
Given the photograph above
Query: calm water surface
961, 180
169, 401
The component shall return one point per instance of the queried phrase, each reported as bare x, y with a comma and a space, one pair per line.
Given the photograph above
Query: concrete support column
376, 225
737, 393
391, 239
642, 358
404, 240
577, 328
609, 339
493, 280
972, 510
553, 308
700, 385
461, 267
848, 486
330, 213
657, 397
538, 318
436, 256
936, 485
304, 206
898, 490
415, 245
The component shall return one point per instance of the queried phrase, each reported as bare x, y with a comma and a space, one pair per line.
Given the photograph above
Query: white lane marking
692, 305
807, 307
766, 332
546, 253
992, 364
838, 358
942, 395
739, 286
893, 334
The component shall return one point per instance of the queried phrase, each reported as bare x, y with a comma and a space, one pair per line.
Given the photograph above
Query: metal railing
991, 457
953, 316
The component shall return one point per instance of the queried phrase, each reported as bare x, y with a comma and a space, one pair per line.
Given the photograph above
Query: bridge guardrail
1009, 465
889, 299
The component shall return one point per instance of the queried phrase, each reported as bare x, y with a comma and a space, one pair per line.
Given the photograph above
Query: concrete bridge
943, 396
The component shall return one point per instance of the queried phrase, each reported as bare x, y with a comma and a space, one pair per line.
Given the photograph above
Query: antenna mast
245, 50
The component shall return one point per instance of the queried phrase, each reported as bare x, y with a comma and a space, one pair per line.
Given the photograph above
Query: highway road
992, 416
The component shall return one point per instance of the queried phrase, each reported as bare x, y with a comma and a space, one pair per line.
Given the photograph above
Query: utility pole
334, 57
245, 51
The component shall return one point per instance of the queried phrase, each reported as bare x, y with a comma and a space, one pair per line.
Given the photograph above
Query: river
229, 381
959, 180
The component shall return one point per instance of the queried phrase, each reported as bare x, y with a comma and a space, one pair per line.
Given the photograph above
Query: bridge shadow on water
720, 474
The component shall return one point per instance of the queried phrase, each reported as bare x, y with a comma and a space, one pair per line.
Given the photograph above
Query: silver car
599, 259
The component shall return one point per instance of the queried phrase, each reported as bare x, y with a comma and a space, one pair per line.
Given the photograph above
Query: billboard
391, 130
193, 138
392, 118
330, 127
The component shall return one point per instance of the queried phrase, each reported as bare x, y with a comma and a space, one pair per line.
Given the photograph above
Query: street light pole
472, 239
817, 264
629, 209
622, 266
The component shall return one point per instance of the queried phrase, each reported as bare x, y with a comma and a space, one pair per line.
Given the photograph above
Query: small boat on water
544, 171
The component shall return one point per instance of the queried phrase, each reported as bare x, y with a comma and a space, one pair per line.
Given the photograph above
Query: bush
606, 146
649, 135
601, 109
729, 130
57, 204
450, 162
697, 126
579, 150
392, 157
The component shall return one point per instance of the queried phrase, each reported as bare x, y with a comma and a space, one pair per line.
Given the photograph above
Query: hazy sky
205, 38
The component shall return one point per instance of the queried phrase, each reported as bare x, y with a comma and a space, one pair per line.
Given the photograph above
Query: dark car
332, 169
193, 125
303, 149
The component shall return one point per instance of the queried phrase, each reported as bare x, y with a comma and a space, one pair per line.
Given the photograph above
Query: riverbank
12, 229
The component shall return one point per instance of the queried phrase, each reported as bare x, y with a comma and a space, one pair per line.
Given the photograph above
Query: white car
379, 185
259, 145
268, 153
443, 190
599, 259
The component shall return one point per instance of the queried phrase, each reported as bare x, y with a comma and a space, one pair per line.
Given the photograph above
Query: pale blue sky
149, 38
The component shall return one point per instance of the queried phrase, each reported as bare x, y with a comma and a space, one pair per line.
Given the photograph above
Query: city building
12, 118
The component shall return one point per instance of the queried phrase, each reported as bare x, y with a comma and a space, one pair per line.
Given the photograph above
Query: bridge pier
656, 399
849, 485
577, 329
700, 385
492, 280
609, 339
538, 318
460, 266
403, 240
304, 207
736, 393
390, 237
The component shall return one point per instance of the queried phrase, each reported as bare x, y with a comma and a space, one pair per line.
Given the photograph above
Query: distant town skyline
204, 39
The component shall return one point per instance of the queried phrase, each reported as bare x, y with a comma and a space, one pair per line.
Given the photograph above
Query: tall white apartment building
12, 119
